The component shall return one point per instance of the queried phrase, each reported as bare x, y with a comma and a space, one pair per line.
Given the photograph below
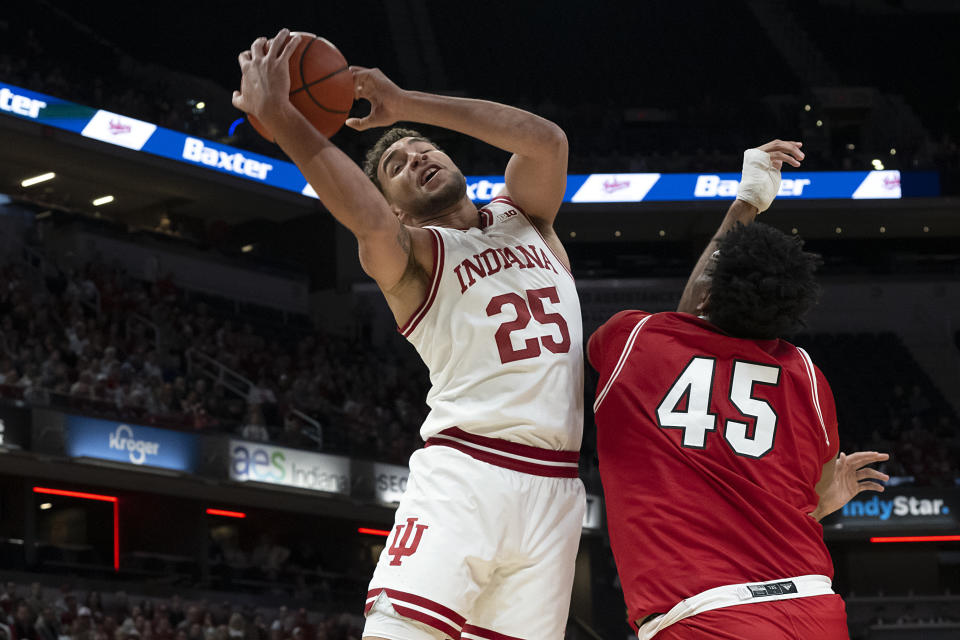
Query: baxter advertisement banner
146, 137
261, 462
897, 511
131, 444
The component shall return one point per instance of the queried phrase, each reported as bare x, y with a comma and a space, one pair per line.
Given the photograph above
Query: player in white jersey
486, 535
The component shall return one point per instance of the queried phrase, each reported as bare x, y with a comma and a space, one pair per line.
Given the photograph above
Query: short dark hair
763, 283
372, 160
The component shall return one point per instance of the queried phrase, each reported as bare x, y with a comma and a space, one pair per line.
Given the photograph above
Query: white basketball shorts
479, 550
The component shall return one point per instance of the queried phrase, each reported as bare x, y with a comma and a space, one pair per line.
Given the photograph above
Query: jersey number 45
695, 385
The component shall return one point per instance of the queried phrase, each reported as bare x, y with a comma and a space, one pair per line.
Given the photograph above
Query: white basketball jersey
501, 333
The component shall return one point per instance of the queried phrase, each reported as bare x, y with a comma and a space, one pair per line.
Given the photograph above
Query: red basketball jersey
710, 448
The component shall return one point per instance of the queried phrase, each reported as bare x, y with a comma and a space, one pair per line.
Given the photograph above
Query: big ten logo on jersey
406, 540
506, 215
499, 259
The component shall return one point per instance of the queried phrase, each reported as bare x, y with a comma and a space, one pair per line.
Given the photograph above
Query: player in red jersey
718, 441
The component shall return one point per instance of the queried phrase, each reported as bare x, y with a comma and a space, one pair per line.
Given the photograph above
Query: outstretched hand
384, 97
760, 179
851, 475
265, 84
781, 151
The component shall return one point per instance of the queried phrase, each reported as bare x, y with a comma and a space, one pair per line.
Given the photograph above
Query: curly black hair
372, 160
763, 283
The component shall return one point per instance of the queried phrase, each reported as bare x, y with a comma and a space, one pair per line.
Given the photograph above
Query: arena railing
240, 385
136, 318
201, 363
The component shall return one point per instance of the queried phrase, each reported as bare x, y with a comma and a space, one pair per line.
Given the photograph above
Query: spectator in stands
254, 427
127, 631
237, 628
47, 625
23, 623
269, 557
192, 617
82, 628
292, 434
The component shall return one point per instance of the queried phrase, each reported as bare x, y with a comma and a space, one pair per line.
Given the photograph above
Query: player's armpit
386, 250
401, 261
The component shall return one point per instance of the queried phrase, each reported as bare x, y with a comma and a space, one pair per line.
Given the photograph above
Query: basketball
321, 85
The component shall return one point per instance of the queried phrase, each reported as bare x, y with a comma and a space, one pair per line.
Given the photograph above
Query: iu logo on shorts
403, 546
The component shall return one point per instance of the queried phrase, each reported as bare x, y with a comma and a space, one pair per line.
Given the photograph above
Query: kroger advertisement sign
129, 443
899, 509
258, 462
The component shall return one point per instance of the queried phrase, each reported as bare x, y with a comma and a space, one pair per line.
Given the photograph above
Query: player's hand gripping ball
321, 85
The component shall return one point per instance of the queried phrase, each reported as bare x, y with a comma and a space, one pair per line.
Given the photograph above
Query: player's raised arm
536, 174
386, 245
759, 184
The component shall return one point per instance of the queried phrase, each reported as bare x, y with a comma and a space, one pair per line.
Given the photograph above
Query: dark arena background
205, 408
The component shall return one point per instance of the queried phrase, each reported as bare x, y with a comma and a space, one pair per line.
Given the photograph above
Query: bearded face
420, 181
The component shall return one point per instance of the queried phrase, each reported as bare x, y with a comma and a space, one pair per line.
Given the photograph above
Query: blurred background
205, 407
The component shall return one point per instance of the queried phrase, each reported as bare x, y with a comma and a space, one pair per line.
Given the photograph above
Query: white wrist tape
759, 182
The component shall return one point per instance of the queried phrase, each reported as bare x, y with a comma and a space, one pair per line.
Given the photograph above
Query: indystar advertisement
898, 510
130, 443
260, 462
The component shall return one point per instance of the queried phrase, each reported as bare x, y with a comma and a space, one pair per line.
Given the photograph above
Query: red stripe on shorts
510, 455
470, 632
399, 598
427, 619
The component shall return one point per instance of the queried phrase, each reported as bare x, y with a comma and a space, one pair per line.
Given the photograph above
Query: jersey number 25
696, 384
524, 308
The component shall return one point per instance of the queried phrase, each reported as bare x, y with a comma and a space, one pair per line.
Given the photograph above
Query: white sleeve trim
814, 391
620, 363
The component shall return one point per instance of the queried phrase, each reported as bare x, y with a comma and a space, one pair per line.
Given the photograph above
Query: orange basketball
321, 86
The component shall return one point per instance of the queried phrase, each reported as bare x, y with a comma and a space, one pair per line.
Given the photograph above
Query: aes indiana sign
260, 462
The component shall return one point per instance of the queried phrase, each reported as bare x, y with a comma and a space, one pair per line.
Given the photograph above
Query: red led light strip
373, 532
228, 514
94, 496
917, 539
